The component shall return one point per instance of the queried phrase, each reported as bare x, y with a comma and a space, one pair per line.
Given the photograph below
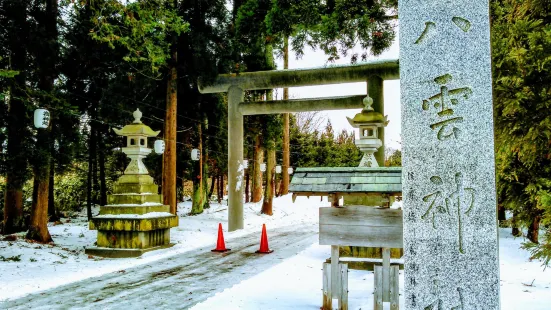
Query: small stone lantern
136, 143
368, 122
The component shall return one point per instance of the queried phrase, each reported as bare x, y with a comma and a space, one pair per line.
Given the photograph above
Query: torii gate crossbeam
236, 84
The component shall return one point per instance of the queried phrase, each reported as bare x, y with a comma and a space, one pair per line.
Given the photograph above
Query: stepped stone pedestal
135, 220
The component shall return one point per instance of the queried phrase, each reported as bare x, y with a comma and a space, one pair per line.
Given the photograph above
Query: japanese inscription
448, 173
445, 102
455, 205
46, 119
430, 28
437, 303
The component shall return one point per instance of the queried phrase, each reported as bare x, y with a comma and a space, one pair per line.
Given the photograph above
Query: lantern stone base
122, 253
134, 222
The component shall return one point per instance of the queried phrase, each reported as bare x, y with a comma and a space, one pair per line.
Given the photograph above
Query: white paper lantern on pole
289, 170
263, 167
41, 118
195, 154
278, 169
246, 163
159, 146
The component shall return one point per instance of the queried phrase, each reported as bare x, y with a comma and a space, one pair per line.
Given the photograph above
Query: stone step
135, 179
134, 209
122, 188
133, 198
133, 222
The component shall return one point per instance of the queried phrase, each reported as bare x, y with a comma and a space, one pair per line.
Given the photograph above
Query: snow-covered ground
30, 267
294, 283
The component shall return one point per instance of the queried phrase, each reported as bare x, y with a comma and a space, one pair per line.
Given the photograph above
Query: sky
316, 59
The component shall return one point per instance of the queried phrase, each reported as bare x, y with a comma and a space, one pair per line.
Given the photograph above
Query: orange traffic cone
264, 248
220, 244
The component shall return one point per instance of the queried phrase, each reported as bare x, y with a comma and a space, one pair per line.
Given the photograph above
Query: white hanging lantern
159, 146
41, 118
246, 163
195, 154
278, 169
263, 167
289, 170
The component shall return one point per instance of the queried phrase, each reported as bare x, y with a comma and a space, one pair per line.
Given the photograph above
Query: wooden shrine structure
356, 225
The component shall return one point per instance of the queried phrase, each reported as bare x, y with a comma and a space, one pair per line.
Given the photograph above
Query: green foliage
16, 258
142, 27
334, 26
70, 191
521, 44
315, 149
394, 158
6, 73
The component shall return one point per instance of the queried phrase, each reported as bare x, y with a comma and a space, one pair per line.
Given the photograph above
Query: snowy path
177, 282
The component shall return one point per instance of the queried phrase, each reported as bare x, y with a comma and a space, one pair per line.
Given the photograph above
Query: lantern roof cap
137, 127
368, 116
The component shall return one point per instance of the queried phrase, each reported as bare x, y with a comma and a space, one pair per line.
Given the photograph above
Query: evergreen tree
521, 47
15, 38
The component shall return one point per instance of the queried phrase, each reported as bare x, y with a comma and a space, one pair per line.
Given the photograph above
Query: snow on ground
295, 283
30, 267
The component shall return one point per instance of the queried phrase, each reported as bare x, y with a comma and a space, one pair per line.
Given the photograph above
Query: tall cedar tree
521, 47
47, 59
204, 52
16, 36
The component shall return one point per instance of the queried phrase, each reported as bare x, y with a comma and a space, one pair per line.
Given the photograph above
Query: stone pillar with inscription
448, 181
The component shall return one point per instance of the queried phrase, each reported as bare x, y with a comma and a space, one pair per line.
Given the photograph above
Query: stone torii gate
374, 73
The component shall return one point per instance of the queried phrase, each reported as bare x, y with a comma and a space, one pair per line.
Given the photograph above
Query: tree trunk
284, 188
169, 156
501, 215
91, 160
515, 231
95, 175
219, 189
533, 229
102, 177
205, 176
198, 198
257, 174
269, 190
247, 186
17, 122
38, 226
212, 183
52, 212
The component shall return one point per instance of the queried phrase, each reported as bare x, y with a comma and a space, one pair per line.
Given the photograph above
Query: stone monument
135, 220
448, 178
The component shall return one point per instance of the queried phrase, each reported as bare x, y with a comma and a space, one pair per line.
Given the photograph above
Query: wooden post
394, 287
334, 198
343, 300
378, 288
335, 274
235, 157
327, 298
386, 274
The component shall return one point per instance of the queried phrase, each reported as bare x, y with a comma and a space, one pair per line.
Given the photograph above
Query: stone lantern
136, 143
134, 220
368, 122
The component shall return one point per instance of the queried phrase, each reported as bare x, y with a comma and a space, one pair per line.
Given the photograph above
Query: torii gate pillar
235, 158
